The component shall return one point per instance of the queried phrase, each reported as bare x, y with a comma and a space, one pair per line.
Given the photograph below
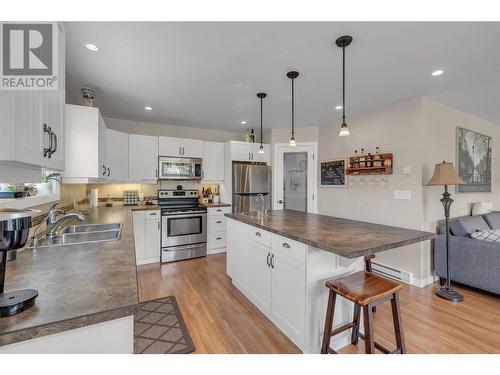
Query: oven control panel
172, 194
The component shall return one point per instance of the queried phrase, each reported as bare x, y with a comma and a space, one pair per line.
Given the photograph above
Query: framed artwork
473, 161
332, 173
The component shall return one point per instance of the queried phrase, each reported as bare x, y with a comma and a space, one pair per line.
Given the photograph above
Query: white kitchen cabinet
216, 229
181, 147
237, 253
244, 151
260, 275
85, 139
143, 158
146, 236
33, 121
289, 295
213, 161
116, 155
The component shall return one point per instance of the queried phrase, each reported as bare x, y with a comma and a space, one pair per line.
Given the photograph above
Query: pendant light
343, 42
261, 96
292, 75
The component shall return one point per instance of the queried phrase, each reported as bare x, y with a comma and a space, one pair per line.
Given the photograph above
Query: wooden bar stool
366, 290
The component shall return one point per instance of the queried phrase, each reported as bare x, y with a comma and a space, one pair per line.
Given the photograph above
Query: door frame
312, 185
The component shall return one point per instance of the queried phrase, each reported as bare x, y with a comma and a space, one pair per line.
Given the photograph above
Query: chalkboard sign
333, 173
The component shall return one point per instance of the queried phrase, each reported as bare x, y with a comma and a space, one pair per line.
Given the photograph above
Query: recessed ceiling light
148, 108
92, 47
339, 107
243, 122
437, 73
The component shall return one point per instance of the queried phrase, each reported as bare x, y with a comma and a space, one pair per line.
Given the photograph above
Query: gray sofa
472, 262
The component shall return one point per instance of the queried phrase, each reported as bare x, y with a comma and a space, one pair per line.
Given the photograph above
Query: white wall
420, 132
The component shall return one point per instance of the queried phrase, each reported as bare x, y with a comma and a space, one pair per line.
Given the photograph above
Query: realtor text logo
28, 56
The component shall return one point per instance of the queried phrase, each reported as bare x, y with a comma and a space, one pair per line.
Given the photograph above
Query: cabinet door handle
109, 171
218, 238
158, 225
183, 152
272, 261
219, 210
285, 245
104, 167
268, 261
180, 151
152, 214
47, 129
156, 173
258, 234
218, 222
54, 148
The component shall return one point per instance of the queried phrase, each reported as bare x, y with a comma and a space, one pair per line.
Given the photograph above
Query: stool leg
328, 322
369, 342
398, 325
355, 329
369, 268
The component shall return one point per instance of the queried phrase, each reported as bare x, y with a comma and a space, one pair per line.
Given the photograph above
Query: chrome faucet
53, 223
262, 210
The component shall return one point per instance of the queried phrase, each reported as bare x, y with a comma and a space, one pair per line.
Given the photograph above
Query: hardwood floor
221, 320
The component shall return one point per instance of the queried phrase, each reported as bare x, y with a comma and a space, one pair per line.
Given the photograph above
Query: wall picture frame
333, 173
473, 161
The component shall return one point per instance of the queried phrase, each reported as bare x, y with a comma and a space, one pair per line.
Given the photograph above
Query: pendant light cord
293, 110
261, 122
343, 85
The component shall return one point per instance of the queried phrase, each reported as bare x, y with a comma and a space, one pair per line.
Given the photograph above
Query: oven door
183, 229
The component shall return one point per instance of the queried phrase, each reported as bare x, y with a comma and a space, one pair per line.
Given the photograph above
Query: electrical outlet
402, 195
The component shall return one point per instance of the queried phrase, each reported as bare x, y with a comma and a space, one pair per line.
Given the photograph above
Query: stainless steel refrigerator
249, 180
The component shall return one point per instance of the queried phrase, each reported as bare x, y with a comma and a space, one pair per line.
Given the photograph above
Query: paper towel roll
94, 197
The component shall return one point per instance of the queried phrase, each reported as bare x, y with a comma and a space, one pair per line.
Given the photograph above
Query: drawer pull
219, 210
285, 245
258, 234
152, 214
218, 238
218, 222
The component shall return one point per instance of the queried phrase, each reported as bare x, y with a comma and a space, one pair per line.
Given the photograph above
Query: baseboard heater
393, 273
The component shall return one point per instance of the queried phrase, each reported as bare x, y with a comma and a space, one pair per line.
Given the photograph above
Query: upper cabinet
213, 161
143, 157
34, 121
244, 151
116, 152
181, 147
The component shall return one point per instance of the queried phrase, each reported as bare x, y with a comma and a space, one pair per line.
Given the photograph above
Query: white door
152, 239
289, 296
168, 146
143, 157
240, 151
116, 155
28, 138
192, 148
259, 275
295, 177
213, 161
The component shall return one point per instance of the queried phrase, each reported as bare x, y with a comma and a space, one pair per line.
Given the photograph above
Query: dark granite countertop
221, 204
348, 238
144, 207
78, 285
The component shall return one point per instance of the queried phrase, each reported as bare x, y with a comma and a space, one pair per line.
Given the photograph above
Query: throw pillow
492, 235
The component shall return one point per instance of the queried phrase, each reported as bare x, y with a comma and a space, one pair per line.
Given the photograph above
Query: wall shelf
386, 159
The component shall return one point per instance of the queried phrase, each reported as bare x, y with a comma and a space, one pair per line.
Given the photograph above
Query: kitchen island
281, 261
87, 294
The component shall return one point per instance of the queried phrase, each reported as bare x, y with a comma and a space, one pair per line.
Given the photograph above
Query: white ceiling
207, 74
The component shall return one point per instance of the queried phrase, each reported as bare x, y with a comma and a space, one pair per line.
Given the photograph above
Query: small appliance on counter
130, 198
14, 232
94, 197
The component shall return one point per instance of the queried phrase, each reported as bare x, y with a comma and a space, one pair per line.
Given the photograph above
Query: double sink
82, 234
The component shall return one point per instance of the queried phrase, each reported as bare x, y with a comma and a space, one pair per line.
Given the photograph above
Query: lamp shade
444, 174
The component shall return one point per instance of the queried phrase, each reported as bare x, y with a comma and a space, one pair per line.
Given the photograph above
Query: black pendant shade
343, 42
261, 96
292, 75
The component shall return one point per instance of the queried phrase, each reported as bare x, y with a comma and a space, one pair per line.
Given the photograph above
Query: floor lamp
444, 175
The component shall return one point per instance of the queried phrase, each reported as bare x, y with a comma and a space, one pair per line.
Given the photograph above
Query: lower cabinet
216, 229
147, 236
237, 253
260, 275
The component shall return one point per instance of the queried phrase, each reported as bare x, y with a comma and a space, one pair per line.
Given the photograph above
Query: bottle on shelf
369, 160
252, 137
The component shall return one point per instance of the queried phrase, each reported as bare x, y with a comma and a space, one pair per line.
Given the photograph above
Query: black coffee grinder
14, 232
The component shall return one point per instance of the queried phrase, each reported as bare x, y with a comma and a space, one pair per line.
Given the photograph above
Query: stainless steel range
183, 225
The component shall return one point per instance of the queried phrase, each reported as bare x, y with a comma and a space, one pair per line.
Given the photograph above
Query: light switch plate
402, 194
406, 169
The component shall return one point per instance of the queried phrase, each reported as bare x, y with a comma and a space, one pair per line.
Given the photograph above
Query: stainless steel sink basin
92, 228
82, 234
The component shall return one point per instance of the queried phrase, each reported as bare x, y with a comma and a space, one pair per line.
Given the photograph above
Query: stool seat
363, 287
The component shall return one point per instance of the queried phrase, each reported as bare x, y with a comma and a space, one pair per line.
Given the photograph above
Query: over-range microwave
170, 168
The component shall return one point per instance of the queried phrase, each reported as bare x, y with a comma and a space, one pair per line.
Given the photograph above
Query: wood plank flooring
221, 320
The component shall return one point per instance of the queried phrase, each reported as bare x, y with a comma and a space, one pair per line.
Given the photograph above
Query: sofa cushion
490, 235
465, 226
493, 219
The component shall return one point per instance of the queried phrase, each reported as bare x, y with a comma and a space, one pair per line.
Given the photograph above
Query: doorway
294, 186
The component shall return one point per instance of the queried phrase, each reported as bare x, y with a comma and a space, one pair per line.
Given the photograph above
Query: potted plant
50, 183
